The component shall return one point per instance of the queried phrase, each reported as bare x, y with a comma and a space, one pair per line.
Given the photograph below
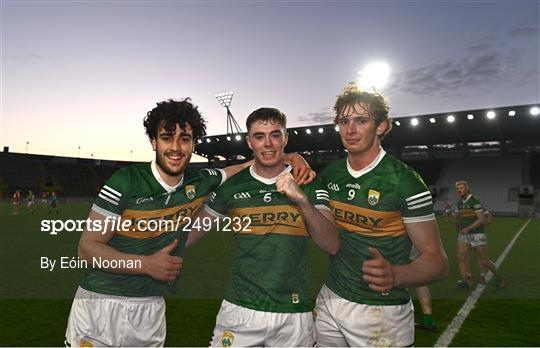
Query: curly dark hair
171, 112
353, 96
271, 115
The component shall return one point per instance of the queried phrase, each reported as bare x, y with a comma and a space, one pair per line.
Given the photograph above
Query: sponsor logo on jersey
294, 298
373, 197
354, 186
242, 195
333, 187
279, 219
227, 339
175, 214
356, 218
144, 199
190, 191
285, 218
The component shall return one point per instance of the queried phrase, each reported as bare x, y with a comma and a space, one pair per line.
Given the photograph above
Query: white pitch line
448, 335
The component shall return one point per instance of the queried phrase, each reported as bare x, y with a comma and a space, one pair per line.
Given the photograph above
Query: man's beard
160, 161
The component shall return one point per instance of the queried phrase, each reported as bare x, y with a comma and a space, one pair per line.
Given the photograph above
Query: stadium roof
507, 129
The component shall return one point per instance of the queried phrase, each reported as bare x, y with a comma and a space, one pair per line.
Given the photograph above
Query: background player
382, 208
481, 268
424, 297
30, 201
44, 198
53, 204
470, 222
267, 302
15, 201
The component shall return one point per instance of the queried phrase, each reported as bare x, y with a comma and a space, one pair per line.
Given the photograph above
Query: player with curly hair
134, 239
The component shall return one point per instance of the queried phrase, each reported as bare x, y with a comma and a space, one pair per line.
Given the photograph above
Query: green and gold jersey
153, 214
371, 207
467, 210
269, 271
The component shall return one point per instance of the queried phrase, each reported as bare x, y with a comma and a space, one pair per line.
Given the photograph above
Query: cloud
462, 74
485, 61
524, 31
324, 115
478, 47
26, 57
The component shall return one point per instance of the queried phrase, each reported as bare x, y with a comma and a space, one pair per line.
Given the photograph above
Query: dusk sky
85, 73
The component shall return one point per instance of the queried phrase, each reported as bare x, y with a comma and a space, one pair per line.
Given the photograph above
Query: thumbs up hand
162, 265
378, 272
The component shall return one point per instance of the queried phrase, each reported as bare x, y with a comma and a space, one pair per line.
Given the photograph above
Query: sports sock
427, 319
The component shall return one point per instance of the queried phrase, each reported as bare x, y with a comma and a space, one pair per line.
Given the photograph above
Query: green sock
427, 319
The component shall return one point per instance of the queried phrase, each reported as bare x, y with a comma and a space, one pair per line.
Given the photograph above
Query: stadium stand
499, 157
71, 178
430, 170
492, 180
21, 173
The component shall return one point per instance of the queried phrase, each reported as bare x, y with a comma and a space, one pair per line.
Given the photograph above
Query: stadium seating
430, 170
71, 177
19, 173
494, 180
491, 179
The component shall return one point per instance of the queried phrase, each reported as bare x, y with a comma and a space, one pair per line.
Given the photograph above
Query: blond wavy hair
374, 104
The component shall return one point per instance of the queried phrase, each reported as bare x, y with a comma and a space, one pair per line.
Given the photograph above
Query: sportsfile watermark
226, 224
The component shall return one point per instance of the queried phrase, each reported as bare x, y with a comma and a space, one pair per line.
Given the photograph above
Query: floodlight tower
225, 99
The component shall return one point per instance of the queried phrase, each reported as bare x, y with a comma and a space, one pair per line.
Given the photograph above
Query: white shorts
240, 326
106, 320
474, 239
342, 323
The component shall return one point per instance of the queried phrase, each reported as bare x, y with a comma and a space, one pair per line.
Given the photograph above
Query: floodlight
308, 131
321, 130
374, 76
228, 138
398, 123
432, 120
511, 113
470, 116
238, 137
414, 122
336, 127
535, 111
208, 140
295, 132
490, 114
450, 118
225, 99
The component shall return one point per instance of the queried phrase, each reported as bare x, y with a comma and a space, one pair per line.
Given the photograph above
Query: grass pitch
35, 302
